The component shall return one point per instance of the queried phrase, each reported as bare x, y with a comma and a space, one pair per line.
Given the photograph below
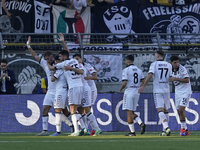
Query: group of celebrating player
74, 79
162, 73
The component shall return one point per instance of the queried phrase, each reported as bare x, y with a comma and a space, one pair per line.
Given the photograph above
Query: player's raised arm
62, 40
32, 52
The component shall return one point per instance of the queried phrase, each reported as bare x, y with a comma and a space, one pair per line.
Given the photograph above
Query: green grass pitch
105, 141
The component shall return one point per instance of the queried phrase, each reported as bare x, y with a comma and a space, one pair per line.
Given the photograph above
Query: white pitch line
92, 141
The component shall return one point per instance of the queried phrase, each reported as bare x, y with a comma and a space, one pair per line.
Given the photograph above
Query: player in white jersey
73, 76
85, 108
91, 76
183, 91
132, 76
50, 95
60, 99
161, 71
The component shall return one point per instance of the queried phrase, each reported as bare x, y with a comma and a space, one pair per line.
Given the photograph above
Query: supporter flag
20, 21
118, 18
42, 18
64, 21
176, 20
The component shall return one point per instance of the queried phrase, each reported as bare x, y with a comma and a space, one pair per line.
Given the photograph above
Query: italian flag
64, 21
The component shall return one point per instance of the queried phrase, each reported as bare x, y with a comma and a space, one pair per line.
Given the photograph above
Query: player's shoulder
71, 61
182, 68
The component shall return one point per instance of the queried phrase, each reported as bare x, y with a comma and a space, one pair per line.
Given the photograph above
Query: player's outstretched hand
61, 37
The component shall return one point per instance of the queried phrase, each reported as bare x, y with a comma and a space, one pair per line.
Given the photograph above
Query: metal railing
131, 43
143, 46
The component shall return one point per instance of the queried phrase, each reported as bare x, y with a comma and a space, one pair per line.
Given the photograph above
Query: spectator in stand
180, 2
75, 4
43, 87
48, 2
7, 79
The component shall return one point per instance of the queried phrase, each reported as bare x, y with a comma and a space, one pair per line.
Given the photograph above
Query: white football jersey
133, 75
61, 83
51, 85
85, 82
161, 70
89, 71
73, 78
180, 87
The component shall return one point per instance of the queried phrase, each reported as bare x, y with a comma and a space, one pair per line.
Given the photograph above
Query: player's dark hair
173, 58
48, 53
161, 53
4, 61
64, 53
75, 55
129, 57
57, 57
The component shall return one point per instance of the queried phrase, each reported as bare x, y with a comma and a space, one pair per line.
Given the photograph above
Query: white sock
93, 122
167, 116
162, 118
45, 123
131, 127
66, 120
75, 123
84, 117
80, 121
138, 120
58, 122
183, 125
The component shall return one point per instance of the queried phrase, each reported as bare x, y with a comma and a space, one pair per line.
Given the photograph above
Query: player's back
61, 83
161, 70
73, 78
133, 75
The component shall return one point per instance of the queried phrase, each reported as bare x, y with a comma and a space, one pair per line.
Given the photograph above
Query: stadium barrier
101, 46
22, 113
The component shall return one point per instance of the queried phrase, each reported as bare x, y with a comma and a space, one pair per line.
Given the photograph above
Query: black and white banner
19, 19
118, 18
42, 18
108, 69
175, 20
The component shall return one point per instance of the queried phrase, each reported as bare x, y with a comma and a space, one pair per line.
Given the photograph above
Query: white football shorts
93, 96
182, 100
130, 99
162, 100
61, 99
49, 99
86, 100
75, 95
